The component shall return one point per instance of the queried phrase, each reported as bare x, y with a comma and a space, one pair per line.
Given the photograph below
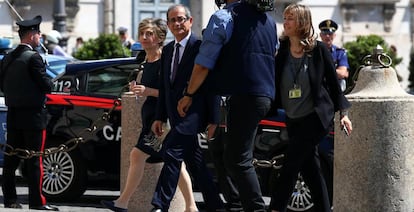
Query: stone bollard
131, 128
374, 166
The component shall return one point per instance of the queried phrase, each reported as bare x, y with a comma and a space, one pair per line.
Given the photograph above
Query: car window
110, 81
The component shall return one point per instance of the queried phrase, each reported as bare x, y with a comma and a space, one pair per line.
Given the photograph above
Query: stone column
131, 128
374, 166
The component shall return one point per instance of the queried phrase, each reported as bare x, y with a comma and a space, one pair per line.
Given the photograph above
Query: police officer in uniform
328, 29
24, 82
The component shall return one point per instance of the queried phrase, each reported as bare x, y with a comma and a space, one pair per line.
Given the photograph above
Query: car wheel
301, 199
64, 176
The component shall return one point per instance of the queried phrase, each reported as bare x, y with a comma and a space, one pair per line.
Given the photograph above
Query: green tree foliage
104, 47
363, 46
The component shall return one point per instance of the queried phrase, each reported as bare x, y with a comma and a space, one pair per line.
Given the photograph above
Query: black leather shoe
14, 205
45, 208
111, 205
155, 210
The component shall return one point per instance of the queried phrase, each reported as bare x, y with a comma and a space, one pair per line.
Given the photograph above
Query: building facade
391, 19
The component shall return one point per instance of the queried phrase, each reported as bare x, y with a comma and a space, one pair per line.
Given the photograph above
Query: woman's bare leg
186, 188
137, 162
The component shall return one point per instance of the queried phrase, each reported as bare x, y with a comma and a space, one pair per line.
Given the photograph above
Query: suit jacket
170, 93
326, 92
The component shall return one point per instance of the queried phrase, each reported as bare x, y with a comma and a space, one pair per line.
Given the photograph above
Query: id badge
295, 93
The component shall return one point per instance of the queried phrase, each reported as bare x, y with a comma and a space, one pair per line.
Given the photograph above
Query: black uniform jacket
25, 83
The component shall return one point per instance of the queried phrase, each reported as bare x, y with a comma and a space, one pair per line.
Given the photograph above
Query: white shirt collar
184, 41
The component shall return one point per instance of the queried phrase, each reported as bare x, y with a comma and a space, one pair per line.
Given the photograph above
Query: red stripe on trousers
43, 199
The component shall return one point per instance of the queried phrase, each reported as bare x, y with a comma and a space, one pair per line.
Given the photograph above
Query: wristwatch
185, 93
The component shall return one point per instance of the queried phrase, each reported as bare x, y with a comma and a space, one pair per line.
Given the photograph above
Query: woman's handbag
155, 142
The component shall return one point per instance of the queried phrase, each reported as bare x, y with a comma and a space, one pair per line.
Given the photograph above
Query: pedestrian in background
126, 40
24, 81
151, 35
52, 44
339, 56
181, 144
78, 45
308, 89
236, 59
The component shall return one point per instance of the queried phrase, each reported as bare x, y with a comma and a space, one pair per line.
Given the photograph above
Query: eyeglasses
179, 19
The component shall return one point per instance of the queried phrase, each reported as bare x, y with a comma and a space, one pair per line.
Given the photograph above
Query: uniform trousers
179, 148
33, 167
244, 115
302, 156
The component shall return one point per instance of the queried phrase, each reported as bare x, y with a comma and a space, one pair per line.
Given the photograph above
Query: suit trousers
244, 115
302, 156
179, 148
33, 167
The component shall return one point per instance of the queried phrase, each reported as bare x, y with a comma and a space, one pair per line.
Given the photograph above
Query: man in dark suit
181, 144
24, 82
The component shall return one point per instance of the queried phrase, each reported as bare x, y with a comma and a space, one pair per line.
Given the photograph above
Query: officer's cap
122, 29
29, 25
328, 26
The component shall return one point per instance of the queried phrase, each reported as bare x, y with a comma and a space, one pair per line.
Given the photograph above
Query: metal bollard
131, 128
374, 166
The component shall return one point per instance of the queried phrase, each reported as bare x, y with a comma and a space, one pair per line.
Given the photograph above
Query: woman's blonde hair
158, 25
304, 21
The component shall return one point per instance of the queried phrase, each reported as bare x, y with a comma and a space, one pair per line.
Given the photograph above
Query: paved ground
90, 201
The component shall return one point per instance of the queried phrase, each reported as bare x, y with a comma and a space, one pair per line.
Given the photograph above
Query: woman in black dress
152, 34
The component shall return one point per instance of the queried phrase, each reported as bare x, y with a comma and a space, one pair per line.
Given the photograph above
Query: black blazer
327, 95
198, 115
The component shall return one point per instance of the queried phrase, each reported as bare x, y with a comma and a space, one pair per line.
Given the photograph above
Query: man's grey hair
186, 9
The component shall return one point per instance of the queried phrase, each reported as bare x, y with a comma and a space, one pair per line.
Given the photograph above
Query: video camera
261, 5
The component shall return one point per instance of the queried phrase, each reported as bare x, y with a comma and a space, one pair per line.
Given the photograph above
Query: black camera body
261, 5
220, 2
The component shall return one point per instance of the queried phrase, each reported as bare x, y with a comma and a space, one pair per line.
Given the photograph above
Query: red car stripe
85, 101
272, 123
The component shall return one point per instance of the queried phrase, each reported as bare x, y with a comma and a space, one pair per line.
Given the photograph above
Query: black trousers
226, 185
245, 113
302, 156
31, 140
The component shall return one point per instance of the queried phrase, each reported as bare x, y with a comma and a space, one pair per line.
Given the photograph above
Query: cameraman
239, 42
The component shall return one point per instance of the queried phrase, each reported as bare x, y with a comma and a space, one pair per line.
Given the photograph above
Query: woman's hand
141, 90
346, 124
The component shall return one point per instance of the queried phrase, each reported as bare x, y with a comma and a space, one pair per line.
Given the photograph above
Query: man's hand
183, 105
211, 129
157, 128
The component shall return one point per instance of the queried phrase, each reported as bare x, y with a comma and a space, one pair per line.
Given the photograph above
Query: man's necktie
176, 60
